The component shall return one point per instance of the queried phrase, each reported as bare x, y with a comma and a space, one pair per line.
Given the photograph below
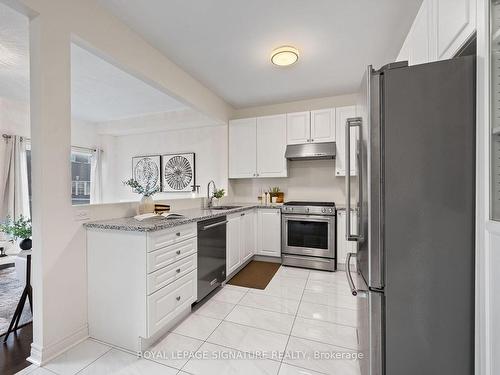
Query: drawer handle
178, 298
178, 234
178, 252
178, 270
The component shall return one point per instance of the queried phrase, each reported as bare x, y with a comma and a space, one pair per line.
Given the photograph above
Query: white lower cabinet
248, 224
269, 232
241, 239
233, 243
139, 283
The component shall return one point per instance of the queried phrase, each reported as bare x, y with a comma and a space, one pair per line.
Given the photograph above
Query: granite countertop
190, 216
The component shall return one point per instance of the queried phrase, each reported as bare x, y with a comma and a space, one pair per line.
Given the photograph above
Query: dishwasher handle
214, 225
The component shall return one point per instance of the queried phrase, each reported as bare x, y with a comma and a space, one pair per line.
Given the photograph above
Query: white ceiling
14, 58
226, 44
102, 92
99, 90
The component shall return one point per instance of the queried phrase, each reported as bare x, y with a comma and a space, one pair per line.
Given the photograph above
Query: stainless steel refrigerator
415, 193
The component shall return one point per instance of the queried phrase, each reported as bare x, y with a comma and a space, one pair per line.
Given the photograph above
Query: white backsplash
313, 180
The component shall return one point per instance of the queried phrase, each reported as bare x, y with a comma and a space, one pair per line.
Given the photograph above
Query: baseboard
41, 355
263, 258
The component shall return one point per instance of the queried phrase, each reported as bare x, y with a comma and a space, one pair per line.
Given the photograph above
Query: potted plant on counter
147, 204
19, 229
275, 192
218, 194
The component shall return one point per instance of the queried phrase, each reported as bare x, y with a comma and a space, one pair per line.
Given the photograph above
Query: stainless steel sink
224, 207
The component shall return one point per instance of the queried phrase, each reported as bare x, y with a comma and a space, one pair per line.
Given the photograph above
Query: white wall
307, 180
208, 143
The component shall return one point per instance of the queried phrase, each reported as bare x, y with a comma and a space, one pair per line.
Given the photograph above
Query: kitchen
267, 230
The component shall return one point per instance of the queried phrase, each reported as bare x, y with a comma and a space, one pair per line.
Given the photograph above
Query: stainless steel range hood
311, 151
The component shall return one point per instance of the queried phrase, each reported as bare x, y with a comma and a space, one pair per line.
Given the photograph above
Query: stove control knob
307, 209
330, 210
323, 210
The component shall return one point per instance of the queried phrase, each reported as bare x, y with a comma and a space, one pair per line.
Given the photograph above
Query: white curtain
14, 178
96, 176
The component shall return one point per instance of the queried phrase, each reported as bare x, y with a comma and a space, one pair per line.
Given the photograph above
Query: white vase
146, 206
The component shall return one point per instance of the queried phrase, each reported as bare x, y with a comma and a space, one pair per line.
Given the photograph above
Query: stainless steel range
309, 235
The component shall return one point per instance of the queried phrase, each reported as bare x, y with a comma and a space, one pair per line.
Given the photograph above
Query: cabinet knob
312, 140
178, 298
178, 234
178, 252
178, 270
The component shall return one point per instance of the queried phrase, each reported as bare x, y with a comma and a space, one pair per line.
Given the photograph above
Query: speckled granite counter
190, 216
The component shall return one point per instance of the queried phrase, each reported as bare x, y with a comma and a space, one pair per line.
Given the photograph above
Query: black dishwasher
211, 255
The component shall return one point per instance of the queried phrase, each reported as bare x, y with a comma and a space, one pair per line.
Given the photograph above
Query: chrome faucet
210, 197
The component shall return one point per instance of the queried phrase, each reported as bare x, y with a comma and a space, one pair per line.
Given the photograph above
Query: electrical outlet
81, 215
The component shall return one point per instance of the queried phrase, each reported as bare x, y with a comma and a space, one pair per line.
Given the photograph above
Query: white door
271, 146
269, 232
342, 114
298, 129
248, 235
323, 126
233, 244
243, 148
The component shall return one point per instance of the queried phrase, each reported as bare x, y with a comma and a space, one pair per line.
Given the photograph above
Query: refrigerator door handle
354, 290
351, 123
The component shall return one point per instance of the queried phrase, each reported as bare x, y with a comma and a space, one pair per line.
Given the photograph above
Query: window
80, 175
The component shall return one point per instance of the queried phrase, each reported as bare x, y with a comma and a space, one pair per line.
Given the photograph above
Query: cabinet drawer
168, 274
168, 255
166, 237
165, 304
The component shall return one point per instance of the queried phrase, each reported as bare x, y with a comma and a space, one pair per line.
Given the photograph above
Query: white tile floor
280, 330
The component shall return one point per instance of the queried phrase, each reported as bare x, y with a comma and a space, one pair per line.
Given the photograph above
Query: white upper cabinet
298, 127
257, 147
456, 22
342, 114
310, 127
440, 29
271, 146
418, 46
243, 148
323, 125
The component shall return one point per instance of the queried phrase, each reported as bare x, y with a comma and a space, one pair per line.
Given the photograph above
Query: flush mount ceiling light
284, 56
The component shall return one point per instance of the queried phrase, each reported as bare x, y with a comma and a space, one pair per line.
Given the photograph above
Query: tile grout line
222, 320
293, 324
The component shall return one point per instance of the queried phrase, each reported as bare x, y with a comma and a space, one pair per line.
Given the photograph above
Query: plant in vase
19, 229
218, 194
276, 195
147, 204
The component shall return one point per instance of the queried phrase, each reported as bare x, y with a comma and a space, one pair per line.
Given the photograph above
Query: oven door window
309, 234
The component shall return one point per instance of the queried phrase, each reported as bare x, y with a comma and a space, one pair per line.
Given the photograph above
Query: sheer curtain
96, 176
14, 178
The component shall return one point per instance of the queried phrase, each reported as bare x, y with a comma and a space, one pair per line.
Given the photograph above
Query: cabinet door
456, 23
298, 127
342, 114
269, 232
243, 148
233, 237
271, 146
248, 235
323, 126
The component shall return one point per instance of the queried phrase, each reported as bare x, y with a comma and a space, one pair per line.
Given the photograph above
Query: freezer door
429, 211
370, 332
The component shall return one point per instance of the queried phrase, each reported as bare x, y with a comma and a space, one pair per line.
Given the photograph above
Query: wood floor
14, 352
